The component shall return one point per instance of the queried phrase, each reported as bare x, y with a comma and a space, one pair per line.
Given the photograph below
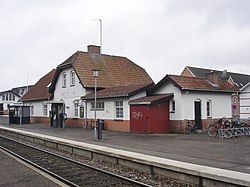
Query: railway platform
196, 153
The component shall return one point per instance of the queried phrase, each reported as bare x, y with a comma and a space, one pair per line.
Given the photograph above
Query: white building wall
109, 108
184, 103
68, 94
245, 103
221, 104
139, 95
38, 108
5, 103
170, 88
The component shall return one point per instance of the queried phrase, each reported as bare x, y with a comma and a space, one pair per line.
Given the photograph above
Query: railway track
68, 171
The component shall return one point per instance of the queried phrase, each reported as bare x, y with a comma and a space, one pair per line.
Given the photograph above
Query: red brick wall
186, 73
114, 125
36, 119
94, 49
179, 126
117, 125
79, 122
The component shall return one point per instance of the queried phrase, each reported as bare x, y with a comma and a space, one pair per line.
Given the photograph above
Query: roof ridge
104, 54
115, 56
217, 70
204, 78
76, 54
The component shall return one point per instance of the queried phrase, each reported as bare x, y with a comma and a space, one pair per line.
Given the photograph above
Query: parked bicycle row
234, 132
227, 128
223, 128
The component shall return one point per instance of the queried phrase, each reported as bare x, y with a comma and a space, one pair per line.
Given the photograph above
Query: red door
139, 119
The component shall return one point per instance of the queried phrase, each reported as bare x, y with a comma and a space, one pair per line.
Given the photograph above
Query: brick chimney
213, 77
94, 49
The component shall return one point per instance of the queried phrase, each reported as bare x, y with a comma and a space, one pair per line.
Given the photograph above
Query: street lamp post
95, 75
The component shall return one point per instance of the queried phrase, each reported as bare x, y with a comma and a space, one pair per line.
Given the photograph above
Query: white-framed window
32, 110
172, 105
14, 98
3, 97
72, 78
99, 105
119, 109
81, 111
45, 110
7, 96
10, 96
64, 79
209, 108
76, 109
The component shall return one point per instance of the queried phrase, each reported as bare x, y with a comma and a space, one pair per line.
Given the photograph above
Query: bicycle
220, 126
191, 127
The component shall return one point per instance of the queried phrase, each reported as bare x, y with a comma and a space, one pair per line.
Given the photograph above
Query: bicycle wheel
188, 129
228, 134
196, 129
212, 131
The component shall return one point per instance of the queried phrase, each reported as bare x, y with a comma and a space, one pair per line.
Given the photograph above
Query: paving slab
231, 154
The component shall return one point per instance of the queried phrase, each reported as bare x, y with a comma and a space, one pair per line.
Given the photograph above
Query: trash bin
102, 122
100, 128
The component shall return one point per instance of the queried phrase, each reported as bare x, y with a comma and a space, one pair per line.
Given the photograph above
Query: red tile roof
202, 84
121, 91
114, 70
40, 90
196, 84
151, 99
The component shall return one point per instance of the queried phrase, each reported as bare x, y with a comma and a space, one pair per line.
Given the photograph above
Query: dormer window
72, 78
10, 97
64, 80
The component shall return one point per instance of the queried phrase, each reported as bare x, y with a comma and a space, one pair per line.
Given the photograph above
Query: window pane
72, 78
81, 111
119, 109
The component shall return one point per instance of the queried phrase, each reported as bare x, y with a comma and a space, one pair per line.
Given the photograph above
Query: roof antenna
100, 21
27, 82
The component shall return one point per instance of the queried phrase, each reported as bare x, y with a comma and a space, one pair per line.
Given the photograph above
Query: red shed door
139, 119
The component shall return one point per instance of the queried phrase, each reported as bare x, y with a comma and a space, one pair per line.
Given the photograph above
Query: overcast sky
162, 36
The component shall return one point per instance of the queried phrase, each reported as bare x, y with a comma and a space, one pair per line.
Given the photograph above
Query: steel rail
58, 177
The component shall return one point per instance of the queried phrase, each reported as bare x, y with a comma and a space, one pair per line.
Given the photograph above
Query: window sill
117, 119
72, 85
63, 86
97, 109
172, 112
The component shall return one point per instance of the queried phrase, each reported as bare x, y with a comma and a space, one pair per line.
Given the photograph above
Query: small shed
17, 113
150, 114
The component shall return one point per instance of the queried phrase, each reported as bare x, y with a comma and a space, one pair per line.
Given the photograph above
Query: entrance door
197, 113
57, 115
1, 108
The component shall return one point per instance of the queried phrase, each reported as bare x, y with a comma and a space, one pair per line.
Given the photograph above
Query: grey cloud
161, 36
